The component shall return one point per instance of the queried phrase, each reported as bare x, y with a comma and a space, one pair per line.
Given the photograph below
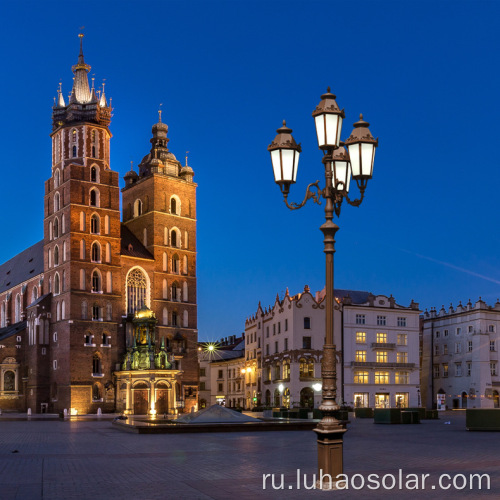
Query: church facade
71, 335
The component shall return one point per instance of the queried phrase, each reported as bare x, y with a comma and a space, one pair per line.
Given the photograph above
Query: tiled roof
357, 296
131, 246
22, 267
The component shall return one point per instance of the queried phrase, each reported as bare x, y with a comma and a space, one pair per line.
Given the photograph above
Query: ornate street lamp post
339, 165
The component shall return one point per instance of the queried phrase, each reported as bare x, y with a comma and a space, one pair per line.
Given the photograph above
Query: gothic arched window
96, 252
94, 224
173, 238
94, 198
93, 170
136, 290
96, 365
57, 202
96, 281
57, 284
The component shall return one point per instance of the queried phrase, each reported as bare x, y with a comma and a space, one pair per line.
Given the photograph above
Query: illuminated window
361, 377
402, 339
402, 357
381, 338
286, 370
306, 367
361, 356
360, 337
381, 377
381, 357
401, 378
445, 369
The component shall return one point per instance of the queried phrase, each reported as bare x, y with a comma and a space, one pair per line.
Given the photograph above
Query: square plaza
93, 459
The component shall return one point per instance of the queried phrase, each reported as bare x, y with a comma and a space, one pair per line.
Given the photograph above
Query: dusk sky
424, 74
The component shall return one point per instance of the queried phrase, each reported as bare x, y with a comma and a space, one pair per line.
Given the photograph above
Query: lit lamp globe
317, 387
361, 146
284, 157
328, 120
341, 168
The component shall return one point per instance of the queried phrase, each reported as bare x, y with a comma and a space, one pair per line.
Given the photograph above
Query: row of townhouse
279, 356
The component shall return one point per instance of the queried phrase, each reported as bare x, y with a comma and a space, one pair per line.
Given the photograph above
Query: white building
378, 342
460, 356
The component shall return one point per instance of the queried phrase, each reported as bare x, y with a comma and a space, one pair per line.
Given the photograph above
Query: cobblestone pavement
94, 460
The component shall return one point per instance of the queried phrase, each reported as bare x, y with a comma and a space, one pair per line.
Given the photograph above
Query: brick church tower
71, 324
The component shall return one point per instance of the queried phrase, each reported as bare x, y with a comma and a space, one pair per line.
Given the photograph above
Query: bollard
99, 412
65, 413
29, 412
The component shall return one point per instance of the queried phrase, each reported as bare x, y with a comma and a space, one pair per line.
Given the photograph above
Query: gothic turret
83, 104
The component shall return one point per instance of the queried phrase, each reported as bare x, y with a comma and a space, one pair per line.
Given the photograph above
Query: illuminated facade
69, 304
460, 362
378, 341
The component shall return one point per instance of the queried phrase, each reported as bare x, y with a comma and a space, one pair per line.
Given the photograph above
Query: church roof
22, 267
132, 247
10, 330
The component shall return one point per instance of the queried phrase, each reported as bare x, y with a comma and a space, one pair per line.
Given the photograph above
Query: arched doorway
268, 398
141, 398
307, 398
286, 398
464, 399
496, 399
162, 390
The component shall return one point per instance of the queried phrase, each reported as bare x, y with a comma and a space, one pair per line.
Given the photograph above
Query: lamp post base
330, 455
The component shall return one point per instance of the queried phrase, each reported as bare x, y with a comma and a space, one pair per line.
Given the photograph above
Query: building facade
68, 303
377, 340
222, 373
460, 356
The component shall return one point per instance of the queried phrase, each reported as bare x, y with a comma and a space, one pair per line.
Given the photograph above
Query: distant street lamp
339, 165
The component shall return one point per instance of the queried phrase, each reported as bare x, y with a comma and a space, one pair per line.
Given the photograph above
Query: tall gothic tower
82, 248
159, 208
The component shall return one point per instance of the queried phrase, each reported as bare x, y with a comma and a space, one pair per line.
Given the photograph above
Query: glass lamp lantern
341, 169
361, 146
284, 157
328, 120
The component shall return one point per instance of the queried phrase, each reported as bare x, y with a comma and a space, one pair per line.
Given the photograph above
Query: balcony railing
374, 364
383, 345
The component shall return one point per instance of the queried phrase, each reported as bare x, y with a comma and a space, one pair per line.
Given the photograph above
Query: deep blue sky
425, 75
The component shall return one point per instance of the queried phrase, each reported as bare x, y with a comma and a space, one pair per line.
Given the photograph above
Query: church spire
81, 90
